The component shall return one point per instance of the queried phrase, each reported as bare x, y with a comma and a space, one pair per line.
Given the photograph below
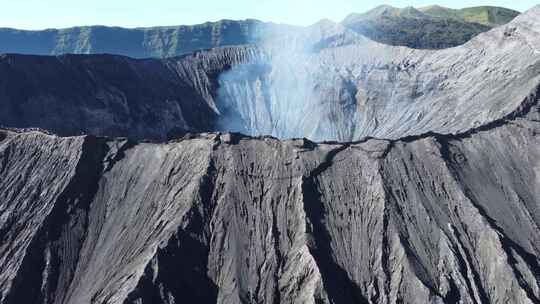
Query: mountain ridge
486, 15
136, 42
433, 27
171, 41
437, 11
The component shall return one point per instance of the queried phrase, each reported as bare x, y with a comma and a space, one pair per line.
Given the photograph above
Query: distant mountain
137, 43
432, 27
486, 15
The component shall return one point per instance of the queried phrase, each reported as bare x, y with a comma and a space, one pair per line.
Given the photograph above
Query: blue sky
39, 14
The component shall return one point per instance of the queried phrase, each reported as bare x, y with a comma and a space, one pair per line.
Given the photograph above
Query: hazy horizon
59, 14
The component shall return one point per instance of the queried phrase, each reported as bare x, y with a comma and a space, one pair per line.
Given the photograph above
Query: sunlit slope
433, 27
486, 15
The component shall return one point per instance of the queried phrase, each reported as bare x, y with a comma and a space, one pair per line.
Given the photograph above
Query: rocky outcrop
113, 95
225, 218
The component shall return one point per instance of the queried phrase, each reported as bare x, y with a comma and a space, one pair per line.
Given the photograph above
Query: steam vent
261, 163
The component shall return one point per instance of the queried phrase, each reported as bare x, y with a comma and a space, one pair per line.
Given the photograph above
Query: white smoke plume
292, 92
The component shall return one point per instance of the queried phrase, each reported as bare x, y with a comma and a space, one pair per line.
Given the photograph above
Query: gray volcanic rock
113, 95
361, 88
224, 218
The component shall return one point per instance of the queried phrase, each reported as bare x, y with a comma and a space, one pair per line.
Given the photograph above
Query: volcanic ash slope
224, 218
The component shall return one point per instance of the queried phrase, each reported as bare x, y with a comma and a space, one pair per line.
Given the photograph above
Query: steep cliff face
157, 42
224, 218
324, 82
113, 95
